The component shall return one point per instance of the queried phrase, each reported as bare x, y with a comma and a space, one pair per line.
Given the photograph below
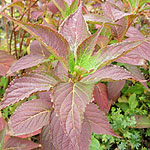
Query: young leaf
15, 143
74, 29
6, 61
51, 39
26, 62
74, 6
100, 95
86, 48
30, 117
114, 13
46, 138
70, 100
62, 6
23, 87
109, 73
69, 2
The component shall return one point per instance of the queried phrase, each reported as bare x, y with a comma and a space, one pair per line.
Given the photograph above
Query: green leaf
142, 122
74, 6
95, 145
86, 48
132, 101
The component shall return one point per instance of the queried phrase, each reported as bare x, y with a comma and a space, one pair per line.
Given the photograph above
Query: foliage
74, 75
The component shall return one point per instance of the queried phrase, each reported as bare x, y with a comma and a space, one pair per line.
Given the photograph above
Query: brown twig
6, 30
24, 32
14, 28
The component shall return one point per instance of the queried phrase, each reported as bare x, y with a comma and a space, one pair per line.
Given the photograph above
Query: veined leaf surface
51, 39
109, 73
98, 120
86, 48
15, 143
101, 97
46, 138
30, 117
114, 51
26, 62
70, 100
23, 87
74, 29
6, 61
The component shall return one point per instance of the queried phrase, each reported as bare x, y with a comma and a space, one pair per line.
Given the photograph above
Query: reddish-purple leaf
30, 117
37, 49
46, 138
114, 89
109, 73
23, 87
74, 29
60, 4
36, 14
26, 62
48, 37
86, 48
102, 41
119, 4
140, 53
114, 51
132, 32
101, 97
15, 143
85, 135
120, 29
112, 12
137, 73
52, 7
97, 19
98, 120
30, 135
6, 61
61, 72
70, 100
58, 137
132, 58
45, 95
2, 122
